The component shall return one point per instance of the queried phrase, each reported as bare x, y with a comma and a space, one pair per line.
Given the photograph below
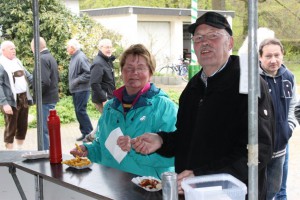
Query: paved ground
70, 132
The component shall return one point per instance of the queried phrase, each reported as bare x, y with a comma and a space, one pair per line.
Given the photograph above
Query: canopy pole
253, 86
37, 75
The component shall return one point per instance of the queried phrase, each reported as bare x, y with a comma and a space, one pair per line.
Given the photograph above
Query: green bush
57, 25
173, 95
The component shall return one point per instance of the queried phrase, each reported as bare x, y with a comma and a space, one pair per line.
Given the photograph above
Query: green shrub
174, 95
65, 110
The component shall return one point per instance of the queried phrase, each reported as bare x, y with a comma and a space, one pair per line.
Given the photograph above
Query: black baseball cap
213, 19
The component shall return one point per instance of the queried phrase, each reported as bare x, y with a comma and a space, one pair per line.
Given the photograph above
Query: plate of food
148, 183
78, 162
36, 154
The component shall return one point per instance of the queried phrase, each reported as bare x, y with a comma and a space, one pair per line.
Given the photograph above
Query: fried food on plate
150, 184
77, 162
78, 148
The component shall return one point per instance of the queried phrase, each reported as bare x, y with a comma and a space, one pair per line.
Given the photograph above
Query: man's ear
231, 43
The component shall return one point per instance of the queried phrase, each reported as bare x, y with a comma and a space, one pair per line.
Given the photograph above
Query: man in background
282, 88
14, 95
49, 80
102, 78
79, 86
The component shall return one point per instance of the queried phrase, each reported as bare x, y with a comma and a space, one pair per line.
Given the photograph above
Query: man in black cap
212, 120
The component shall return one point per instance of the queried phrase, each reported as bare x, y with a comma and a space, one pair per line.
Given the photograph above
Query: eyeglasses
138, 70
208, 36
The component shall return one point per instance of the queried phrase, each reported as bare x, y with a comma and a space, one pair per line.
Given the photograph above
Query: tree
57, 26
218, 5
88, 4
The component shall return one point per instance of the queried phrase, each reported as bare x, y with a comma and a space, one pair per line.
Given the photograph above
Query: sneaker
80, 138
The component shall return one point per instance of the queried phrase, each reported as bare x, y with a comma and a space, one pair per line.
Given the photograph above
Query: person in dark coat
50, 88
102, 75
102, 79
212, 120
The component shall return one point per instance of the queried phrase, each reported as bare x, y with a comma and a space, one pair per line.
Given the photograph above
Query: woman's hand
80, 151
124, 143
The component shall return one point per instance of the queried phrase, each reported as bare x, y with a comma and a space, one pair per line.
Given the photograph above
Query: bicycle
180, 69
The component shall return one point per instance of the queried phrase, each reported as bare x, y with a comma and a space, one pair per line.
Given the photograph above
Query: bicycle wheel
167, 70
184, 74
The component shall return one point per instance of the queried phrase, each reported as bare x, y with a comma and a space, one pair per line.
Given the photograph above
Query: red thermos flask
54, 137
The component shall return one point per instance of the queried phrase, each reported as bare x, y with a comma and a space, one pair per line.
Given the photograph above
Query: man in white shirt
14, 95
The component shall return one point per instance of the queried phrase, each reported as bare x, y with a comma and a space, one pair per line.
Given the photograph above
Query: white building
72, 5
162, 30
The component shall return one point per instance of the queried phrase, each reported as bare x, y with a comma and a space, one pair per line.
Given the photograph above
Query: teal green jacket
152, 112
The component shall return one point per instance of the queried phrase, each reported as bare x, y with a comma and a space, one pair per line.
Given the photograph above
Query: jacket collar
141, 100
107, 59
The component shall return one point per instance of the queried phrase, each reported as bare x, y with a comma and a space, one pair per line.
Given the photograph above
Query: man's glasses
208, 36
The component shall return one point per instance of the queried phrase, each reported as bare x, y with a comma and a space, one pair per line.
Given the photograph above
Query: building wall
165, 36
72, 5
162, 35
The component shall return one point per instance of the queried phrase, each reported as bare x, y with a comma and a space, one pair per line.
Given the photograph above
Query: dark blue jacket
79, 73
283, 91
50, 78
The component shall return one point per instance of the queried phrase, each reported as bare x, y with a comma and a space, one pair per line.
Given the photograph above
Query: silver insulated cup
169, 186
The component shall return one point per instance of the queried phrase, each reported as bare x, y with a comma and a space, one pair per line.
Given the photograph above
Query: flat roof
148, 11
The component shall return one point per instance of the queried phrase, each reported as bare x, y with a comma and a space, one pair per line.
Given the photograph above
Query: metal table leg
39, 193
12, 171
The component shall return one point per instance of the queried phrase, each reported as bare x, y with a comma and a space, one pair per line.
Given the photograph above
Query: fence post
193, 69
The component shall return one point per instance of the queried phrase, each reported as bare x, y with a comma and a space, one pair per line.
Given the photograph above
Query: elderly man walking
79, 86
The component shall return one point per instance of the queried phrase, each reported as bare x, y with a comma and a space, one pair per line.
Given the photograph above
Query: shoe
80, 138
88, 138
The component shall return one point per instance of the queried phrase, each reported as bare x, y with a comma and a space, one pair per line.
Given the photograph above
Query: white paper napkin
111, 145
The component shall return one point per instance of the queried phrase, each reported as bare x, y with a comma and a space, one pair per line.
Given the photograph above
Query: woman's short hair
139, 50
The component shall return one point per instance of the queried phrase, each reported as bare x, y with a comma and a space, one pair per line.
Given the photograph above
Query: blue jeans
274, 176
80, 100
46, 108
281, 195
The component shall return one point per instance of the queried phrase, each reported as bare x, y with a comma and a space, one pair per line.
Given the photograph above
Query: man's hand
124, 143
181, 176
147, 143
80, 151
8, 110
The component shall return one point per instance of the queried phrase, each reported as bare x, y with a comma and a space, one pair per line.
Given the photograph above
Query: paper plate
78, 163
36, 154
80, 167
138, 180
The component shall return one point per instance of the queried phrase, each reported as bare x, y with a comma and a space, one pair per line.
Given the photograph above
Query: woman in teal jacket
136, 108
